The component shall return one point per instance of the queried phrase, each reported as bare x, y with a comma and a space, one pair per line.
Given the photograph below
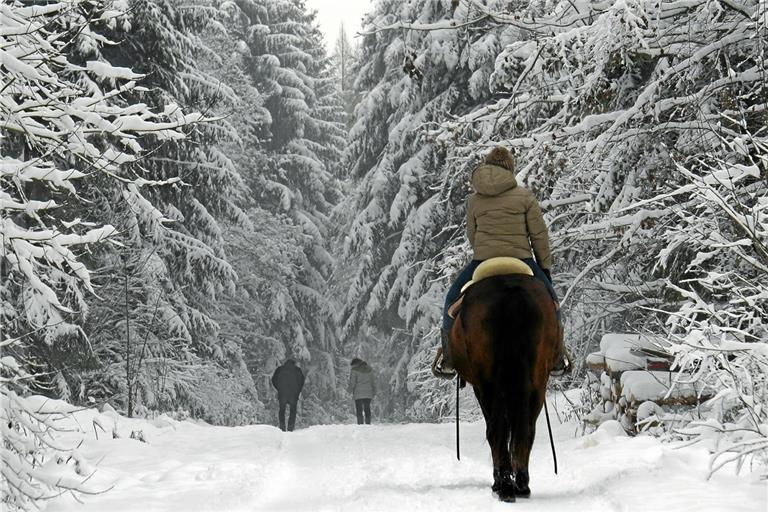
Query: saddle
500, 266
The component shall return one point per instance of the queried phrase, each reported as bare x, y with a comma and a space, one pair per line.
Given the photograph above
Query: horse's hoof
523, 492
521, 484
507, 496
505, 491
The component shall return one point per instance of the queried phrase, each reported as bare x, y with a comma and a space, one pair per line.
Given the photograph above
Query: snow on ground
186, 466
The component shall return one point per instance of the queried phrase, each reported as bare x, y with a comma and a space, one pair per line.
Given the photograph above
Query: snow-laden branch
70, 131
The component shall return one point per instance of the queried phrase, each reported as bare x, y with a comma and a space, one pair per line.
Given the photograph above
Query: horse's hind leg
503, 481
497, 433
522, 458
485, 406
522, 450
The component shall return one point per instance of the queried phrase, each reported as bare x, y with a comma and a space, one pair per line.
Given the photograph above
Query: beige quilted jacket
504, 219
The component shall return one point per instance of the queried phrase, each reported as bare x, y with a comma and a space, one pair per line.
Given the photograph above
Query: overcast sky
332, 13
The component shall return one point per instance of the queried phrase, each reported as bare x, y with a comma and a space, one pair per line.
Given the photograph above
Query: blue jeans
466, 275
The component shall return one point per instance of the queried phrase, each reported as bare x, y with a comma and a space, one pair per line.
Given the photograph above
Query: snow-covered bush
734, 423
721, 323
36, 466
716, 251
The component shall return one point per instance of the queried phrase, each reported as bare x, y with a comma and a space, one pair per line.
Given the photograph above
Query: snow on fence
632, 374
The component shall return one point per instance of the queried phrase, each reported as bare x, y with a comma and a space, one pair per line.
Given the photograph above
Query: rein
551, 440
458, 447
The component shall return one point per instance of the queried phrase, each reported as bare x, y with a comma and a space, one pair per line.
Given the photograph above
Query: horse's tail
516, 320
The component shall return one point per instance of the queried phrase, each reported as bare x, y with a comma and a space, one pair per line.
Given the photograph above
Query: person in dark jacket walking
288, 379
362, 385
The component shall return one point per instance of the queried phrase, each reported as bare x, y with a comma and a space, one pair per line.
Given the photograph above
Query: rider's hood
492, 180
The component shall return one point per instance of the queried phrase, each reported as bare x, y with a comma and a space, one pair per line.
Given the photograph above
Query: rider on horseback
503, 219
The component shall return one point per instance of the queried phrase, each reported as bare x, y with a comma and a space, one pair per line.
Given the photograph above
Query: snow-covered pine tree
409, 197
171, 235
345, 57
66, 132
290, 164
174, 240
602, 107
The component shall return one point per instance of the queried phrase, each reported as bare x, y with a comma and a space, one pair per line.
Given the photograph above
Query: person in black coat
288, 379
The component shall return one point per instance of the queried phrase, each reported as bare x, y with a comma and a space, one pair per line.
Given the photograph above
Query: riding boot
563, 365
442, 368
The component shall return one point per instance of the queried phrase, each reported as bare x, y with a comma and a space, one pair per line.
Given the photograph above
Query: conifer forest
194, 191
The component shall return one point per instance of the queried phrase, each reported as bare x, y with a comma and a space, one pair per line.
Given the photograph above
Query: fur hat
502, 157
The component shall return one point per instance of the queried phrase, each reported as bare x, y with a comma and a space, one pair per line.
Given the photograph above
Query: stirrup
440, 369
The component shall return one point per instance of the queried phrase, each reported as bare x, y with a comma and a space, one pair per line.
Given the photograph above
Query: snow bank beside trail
185, 466
607, 432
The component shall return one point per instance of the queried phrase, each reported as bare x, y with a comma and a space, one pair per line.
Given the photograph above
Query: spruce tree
291, 168
70, 139
161, 344
406, 189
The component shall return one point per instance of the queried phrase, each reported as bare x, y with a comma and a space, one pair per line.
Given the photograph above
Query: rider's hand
547, 273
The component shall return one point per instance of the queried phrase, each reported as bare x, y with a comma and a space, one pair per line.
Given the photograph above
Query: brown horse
504, 342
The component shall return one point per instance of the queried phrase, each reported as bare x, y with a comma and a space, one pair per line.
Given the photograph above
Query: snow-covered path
189, 467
